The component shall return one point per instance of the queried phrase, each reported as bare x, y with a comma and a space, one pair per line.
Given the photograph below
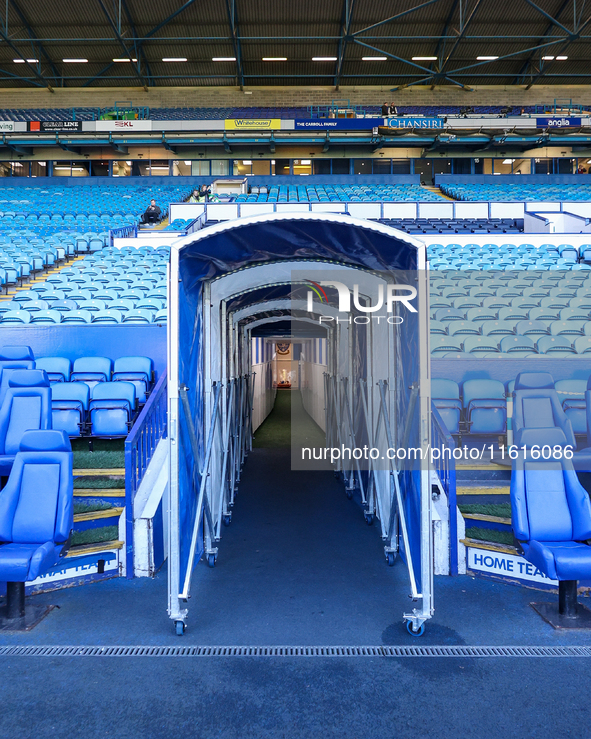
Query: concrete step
99, 493
103, 546
112, 473
114, 512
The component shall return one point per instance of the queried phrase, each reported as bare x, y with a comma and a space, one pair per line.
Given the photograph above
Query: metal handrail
140, 444
446, 471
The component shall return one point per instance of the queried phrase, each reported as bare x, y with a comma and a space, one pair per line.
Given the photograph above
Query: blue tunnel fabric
264, 240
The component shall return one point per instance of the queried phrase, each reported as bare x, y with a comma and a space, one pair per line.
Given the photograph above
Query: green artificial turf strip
98, 483
91, 505
95, 536
288, 423
502, 510
106, 454
498, 537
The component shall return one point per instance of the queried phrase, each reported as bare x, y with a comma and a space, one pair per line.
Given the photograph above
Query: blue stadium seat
112, 409
572, 395
69, 407
57, 368
36, 512
137, 370
485, 408
445, 395
91, 370
537, 409
26, 406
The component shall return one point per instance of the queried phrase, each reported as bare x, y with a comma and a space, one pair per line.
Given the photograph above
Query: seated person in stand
152, 214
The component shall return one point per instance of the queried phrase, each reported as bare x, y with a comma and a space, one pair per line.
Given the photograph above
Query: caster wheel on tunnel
390, 559
368, 518
227, 520
211, 560
411, 629
349, 494
179, 627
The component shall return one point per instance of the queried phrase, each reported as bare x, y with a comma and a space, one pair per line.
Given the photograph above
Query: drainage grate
377, 651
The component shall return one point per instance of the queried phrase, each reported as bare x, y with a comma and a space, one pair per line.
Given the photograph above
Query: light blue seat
46, 316
582, 344
69, 407
138, 316
57, 368
161, 316
567, 328
555, 344
522, 345
485, 408
91, 370
36, 512
26, 405
572, 396
537, 409
480, 345
137, 370
16, 316
108, 316
445, 396
112, 409
77, 316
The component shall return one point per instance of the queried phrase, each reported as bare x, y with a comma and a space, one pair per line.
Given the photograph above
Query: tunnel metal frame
215, 373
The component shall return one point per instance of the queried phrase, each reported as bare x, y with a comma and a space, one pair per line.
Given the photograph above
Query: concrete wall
281, 96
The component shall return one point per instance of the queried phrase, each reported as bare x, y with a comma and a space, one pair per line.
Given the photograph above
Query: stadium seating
445, 395
328, 193
34, 528
69, 407
112, 408
484, 407
26, 406
509, 192
537, 411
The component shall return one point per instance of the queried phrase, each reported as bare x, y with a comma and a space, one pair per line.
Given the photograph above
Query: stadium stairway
99, 519
435, 190
42, 276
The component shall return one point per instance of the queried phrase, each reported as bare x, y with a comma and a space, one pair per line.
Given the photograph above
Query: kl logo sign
393, 294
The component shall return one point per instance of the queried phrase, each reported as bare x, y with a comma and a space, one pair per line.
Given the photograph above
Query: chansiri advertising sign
414, 122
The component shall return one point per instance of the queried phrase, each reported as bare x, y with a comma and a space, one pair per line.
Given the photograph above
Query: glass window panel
400, 166
302, 166
159, 167
281, 166
260, 166
181, 168
62, 169
522, 166
200, 168
340, 166
362, 166
461, 165
122, 168
321, 166
20, 169
99, 169
504, 166
80, 169
566, 166
542, 166
442, 166
242, 166
220, 166
381, 166
38, 169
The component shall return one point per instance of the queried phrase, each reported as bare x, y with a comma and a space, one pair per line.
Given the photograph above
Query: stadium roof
526, 42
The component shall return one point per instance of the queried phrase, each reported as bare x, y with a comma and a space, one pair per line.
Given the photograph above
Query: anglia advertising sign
558, 122
55, 126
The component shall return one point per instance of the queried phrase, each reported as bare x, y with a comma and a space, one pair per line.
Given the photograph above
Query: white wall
312, 368
264, 392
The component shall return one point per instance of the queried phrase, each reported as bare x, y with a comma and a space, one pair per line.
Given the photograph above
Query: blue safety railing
445, 467
121, 233
140, 446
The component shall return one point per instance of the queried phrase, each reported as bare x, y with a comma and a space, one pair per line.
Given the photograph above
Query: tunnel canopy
235, 266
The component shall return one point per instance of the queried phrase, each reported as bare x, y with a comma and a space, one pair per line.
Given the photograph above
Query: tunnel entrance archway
375, 390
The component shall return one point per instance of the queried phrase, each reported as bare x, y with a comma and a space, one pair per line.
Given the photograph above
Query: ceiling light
374, 58
128, 163
223, 59
247, 161
22, 61
324, 58
188, 162
63, 168
306, 161
508, 161
125, 60
16, 164
75, 61
155, 166
174, 59
274, 58
424, 58
547, 58
561, 58
486, 58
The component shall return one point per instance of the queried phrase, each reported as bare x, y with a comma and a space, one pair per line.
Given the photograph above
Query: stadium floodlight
125, 60
374, 58
486, 58
424, 58
223, 59
22, 61
75, 61
561, 58
274, 58
547, 58
174, 59
324, 58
